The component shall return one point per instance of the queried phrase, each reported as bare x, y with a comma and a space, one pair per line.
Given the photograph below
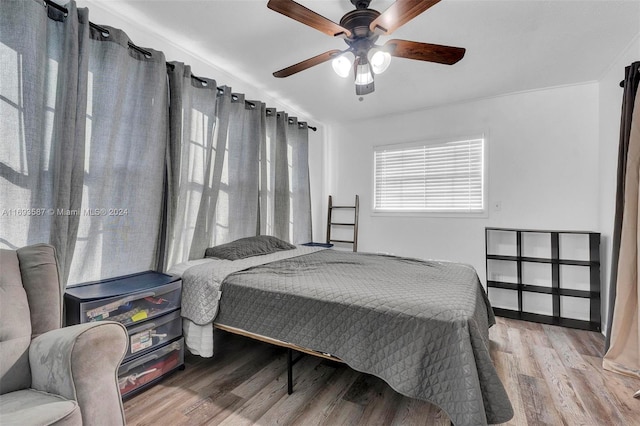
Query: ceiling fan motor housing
358, 21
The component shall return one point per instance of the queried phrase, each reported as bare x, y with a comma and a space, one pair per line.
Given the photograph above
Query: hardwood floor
553, 376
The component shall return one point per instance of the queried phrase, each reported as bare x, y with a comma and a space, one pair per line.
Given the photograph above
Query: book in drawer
141, 372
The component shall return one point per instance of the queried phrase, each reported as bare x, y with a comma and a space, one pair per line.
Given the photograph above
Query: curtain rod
105, 32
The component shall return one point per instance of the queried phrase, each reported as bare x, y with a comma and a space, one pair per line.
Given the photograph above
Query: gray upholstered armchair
51, 375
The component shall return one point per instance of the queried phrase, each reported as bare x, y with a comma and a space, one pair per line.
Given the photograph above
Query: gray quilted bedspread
422, 326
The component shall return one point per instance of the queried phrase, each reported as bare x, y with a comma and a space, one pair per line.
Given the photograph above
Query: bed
422, 326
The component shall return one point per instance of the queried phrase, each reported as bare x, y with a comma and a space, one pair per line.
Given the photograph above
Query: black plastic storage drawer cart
148, 304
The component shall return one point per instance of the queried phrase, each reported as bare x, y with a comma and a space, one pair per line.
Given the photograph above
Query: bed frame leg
290, 363
289, 371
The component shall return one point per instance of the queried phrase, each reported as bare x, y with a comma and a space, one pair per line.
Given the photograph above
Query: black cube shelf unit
551, 277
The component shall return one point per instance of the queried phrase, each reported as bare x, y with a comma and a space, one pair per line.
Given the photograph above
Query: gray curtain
235, 169
242, 169
126, 120
289, 215
97, 161
285, 201
300, 188
199, 123
281, 194
267, 172
43, 83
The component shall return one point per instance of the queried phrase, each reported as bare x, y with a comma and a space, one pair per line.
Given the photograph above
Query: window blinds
431, 177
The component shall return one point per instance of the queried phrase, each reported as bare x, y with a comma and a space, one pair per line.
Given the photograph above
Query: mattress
422, 326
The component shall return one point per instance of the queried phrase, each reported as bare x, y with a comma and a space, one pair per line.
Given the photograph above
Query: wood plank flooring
553, 376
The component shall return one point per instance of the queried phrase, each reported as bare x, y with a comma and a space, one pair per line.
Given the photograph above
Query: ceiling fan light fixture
360, 29
379, 60
341, 65
363, 74
364, 77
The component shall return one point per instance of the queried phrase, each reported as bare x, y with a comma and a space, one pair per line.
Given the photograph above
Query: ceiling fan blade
398, 14
311, 62
308, 17
424, 51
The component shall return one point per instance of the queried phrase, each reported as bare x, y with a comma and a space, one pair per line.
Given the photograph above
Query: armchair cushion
31, 407
15, 326
38, 265
30, 304
80, 363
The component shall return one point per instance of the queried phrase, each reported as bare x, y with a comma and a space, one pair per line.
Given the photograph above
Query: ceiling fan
360, 29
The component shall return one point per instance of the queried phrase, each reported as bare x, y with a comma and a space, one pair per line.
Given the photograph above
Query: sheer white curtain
43, 83
126, 122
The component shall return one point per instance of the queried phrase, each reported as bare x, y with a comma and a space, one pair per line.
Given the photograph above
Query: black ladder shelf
354, 224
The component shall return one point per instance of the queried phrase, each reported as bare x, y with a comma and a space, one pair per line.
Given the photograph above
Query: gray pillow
247, 247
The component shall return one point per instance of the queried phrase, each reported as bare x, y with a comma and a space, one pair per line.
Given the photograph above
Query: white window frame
480, 213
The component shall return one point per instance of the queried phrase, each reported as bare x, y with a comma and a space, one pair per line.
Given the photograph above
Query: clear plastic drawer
135, 374
153, 333
134, 307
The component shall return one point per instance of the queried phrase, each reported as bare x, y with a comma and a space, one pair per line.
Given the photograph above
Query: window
430, 177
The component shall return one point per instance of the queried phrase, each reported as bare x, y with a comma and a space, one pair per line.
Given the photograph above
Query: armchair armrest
81, 363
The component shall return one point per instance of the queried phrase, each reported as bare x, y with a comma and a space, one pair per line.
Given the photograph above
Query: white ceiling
512, 46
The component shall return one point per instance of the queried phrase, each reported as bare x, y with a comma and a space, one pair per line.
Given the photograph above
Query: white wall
143, 34
610, 104
543, 170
